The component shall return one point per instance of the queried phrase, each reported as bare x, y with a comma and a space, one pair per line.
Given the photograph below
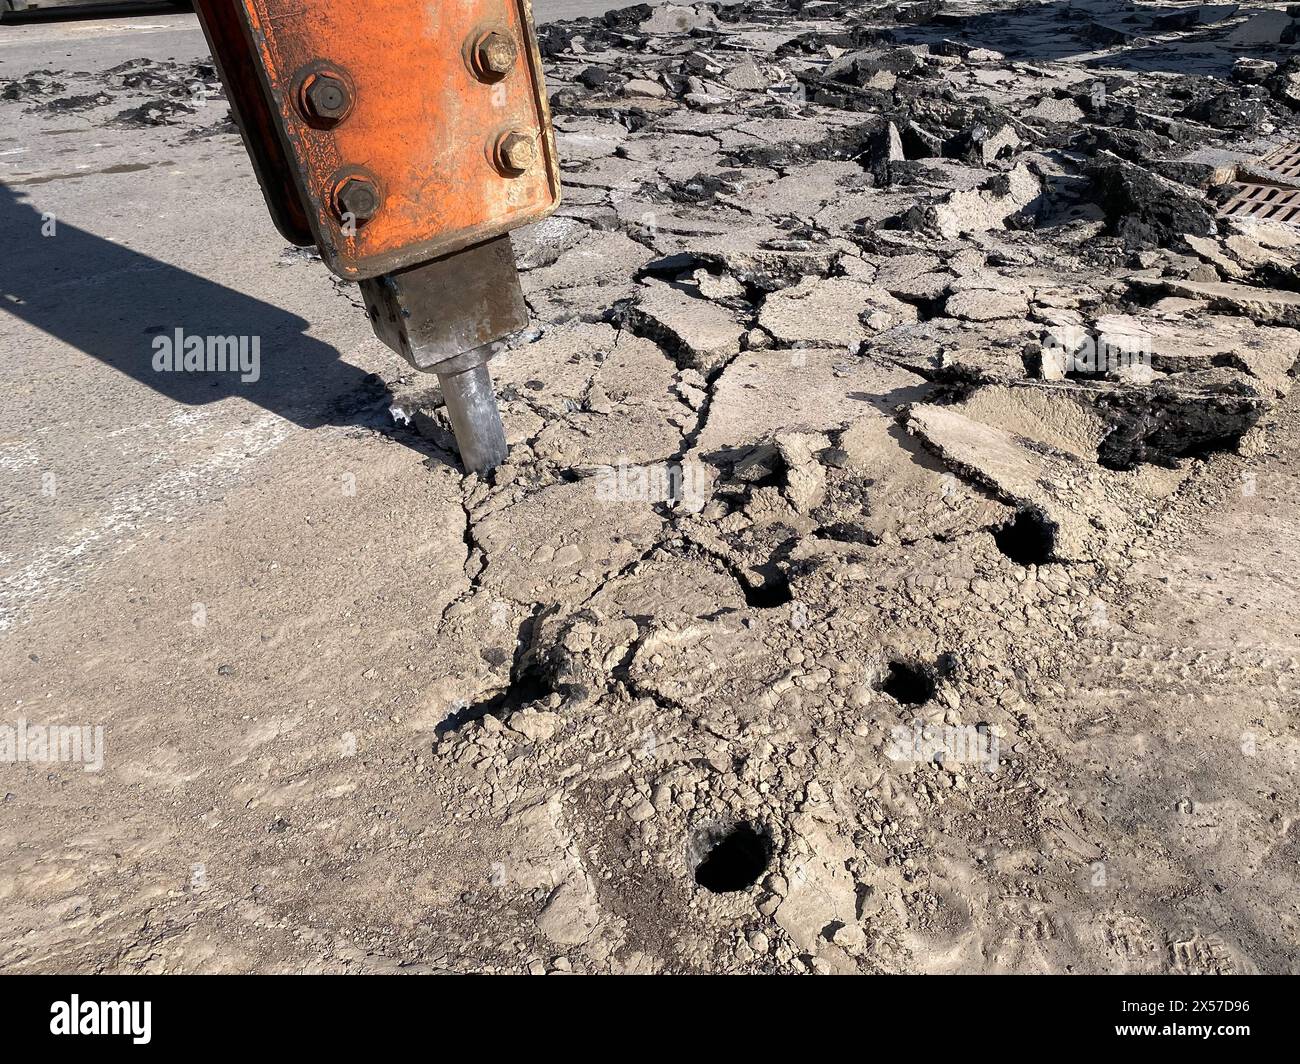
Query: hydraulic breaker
405, 139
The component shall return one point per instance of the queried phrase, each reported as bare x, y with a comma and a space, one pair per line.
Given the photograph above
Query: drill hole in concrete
1027, 539
768, 596
907, 684
728, 859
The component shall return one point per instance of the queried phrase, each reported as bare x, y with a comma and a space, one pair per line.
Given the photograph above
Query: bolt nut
516, 152
495, 55
325, 98
357, 198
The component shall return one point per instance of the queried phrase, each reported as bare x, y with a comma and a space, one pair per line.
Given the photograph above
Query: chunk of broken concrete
765, 256
978, 210
978, 304
1268, 306
832, 312
643, 87
559, 543
1077, 526
698, 333
674, 18
805, 479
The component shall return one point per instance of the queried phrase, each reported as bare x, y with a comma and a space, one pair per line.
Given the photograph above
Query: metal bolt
325, 98
358, 198
516, 152
495, 55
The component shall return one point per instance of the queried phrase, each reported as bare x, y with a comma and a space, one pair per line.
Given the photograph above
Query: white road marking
69, 561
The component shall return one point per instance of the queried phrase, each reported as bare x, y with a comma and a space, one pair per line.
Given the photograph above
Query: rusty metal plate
413, 114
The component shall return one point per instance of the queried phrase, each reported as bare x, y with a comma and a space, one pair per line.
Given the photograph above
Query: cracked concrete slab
803, 390
699, 333
553, 545
831, 312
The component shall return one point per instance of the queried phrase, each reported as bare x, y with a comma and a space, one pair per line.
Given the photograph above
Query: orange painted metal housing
423, 123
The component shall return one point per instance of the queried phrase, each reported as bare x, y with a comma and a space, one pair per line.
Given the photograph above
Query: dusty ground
945, 655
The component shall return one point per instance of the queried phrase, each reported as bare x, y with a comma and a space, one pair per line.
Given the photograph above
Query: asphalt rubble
934, 310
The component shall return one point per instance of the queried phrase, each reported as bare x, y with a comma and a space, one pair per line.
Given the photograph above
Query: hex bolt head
515, 153
495, 55
325, 98
357, 197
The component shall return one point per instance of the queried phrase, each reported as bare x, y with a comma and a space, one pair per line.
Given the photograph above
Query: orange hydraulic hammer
404, 138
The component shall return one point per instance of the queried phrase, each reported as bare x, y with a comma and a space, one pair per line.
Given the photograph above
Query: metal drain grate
1269, 188
1263, 201
1284, 161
